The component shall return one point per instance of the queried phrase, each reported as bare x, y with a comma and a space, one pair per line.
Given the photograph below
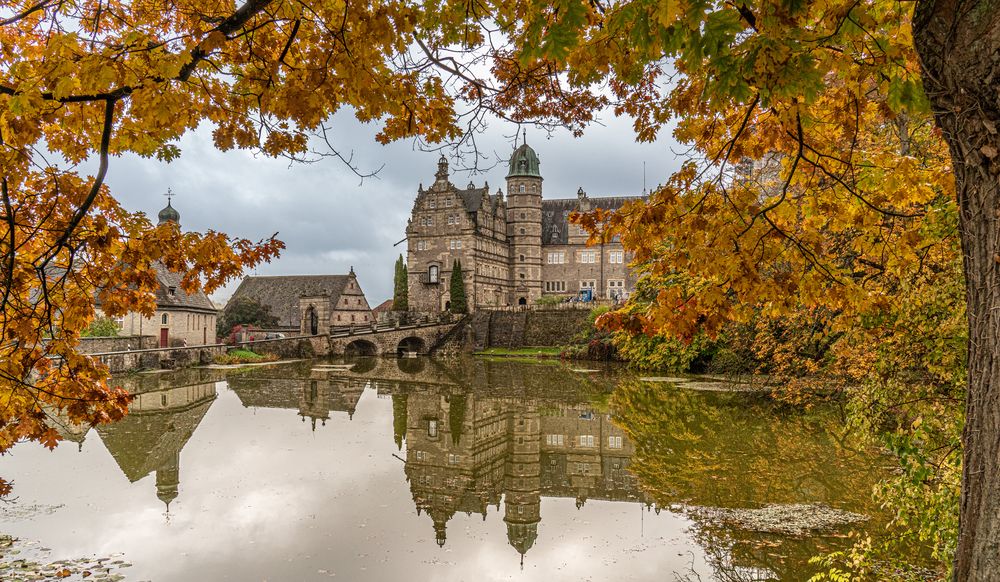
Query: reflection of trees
456, 416
741, 450
399, 418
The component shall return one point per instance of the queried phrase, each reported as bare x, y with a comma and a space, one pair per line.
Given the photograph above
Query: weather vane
169, 194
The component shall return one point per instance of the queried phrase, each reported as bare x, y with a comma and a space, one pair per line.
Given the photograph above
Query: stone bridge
417, 339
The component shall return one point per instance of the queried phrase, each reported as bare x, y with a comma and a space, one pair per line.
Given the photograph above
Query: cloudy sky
330, 220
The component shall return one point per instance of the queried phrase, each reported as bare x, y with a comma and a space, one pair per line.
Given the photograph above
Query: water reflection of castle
464, 451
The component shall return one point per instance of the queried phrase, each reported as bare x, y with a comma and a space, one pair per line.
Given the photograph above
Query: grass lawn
538, 352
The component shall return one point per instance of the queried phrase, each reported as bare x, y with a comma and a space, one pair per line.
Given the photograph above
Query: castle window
163, 319
588, 256
522, 216
522, 276
433, 203
522, 231
616, 257
522, 258
449, 201
521, 189
557, 258
587, 284
586, 440
432, 274
432, 428
614, 442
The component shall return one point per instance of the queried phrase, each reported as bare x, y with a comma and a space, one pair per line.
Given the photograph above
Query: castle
512, 251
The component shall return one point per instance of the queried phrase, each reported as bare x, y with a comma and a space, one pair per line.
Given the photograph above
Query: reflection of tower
315, 403
168, 478
157, 428
522, 502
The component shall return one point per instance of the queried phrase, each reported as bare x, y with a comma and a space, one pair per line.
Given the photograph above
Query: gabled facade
310, 304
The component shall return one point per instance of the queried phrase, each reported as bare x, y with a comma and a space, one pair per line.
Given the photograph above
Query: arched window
432, 274
163, 319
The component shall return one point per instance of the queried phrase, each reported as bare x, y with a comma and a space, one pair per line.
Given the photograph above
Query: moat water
434, 470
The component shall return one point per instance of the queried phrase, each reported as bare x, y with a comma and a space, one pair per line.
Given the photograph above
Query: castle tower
524, 225
523, 498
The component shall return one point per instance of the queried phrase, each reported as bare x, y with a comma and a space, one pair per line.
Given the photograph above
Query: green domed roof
169, 214
524, 162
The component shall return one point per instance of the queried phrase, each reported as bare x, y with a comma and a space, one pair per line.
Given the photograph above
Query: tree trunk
959, 46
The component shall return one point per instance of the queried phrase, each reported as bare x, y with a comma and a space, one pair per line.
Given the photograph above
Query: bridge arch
411, 344
411, 365
361, 347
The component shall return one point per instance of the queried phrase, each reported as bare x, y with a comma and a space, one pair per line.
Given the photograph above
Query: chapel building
513, 249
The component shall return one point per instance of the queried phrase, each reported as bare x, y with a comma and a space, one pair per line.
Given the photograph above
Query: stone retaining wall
118, 343
505, 329
134, 360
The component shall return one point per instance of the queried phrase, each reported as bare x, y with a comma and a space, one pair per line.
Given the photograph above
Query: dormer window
172, 291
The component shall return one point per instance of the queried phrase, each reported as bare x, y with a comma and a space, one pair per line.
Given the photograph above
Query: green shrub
101, 327
242, 356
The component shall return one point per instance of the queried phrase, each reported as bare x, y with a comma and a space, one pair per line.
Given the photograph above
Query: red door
163, 337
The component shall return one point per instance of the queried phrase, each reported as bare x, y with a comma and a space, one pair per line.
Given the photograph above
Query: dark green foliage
399, 419
459, 304
245, 311
400, 300
101, 327
456, 416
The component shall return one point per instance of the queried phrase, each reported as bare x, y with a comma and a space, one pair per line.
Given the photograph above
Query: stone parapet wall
119, 343
134, 360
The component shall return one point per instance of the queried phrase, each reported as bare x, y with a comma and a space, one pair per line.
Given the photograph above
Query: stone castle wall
513, 329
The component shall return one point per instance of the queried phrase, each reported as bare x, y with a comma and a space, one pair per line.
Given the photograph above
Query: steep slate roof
472, 198
180, 299
144, 441
555, 226
282, 293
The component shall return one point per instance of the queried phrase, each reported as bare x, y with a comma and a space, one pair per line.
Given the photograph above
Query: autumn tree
456, 289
